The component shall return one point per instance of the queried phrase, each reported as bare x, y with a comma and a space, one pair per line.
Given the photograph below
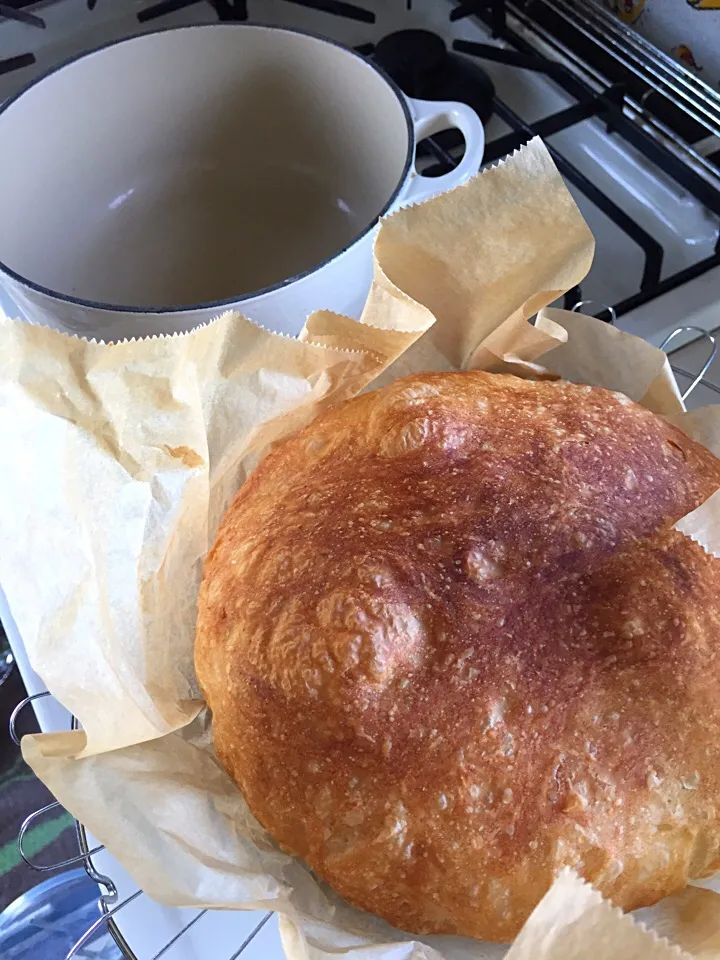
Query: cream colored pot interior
195, 165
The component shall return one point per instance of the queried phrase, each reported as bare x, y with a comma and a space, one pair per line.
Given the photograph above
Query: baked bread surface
452, 644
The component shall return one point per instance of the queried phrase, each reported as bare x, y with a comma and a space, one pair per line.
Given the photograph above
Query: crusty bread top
452, 644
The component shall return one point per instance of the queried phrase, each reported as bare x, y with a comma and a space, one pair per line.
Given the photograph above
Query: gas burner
421, 65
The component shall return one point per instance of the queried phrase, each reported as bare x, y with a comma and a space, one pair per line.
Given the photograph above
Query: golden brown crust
452, 644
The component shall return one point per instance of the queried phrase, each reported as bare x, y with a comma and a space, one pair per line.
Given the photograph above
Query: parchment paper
118, 461
573, 915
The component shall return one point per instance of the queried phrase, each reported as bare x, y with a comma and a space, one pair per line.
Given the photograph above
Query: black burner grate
14, 11
237, 9
607, 105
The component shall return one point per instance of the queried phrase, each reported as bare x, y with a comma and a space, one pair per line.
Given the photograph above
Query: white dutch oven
155, 182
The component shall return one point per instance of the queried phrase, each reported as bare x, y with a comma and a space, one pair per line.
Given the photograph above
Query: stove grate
609, 105
21, 15
620, 95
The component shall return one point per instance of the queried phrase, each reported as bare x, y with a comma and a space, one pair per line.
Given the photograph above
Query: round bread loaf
452, 644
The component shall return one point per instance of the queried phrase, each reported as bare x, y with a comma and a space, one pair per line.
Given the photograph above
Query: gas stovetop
632, 132
634, 135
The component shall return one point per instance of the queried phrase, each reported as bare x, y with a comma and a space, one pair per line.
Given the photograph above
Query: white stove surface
685, 229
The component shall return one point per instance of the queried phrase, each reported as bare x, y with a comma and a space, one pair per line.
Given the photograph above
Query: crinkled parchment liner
118, 462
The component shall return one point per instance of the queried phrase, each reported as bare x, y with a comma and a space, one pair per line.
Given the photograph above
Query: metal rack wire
109, 903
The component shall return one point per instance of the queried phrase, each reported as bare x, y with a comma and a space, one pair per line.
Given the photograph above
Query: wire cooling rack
109, 903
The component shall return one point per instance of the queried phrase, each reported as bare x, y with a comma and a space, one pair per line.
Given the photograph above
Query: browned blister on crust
452, 644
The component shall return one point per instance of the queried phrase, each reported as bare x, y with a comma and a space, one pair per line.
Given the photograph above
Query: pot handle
434, 116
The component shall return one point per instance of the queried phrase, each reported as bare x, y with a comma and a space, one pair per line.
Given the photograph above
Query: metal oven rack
109, 903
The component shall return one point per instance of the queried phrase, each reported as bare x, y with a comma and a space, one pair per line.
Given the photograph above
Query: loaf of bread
452, 644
